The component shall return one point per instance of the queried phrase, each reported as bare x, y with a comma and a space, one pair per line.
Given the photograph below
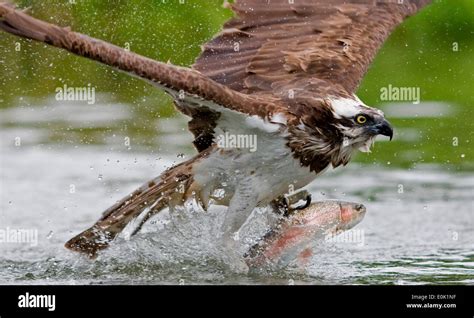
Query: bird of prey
285, 71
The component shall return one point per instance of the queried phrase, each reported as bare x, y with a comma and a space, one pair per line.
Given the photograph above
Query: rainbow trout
290, 239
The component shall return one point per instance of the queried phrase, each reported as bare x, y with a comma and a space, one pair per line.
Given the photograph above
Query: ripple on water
405, 243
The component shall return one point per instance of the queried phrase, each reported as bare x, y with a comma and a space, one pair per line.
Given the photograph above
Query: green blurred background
418, 54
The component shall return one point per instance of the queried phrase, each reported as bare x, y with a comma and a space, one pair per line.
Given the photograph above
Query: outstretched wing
199, 96
271, 44
181, 83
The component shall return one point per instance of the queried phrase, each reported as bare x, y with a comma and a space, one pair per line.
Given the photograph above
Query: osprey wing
271, 43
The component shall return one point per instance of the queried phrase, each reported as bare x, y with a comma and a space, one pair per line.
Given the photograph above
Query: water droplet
389, 163
10, 202
463, 155
180, 155
100, 177
50, 235
91, 167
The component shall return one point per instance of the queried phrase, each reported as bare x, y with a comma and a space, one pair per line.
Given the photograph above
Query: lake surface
56, 180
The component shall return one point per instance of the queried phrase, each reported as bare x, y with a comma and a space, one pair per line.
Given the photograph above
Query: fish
290, 239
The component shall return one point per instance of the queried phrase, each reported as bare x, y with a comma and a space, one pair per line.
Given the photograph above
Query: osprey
283, 71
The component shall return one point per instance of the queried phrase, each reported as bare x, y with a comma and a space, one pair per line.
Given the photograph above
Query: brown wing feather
204, 98
272, 46
170, 77
272, 42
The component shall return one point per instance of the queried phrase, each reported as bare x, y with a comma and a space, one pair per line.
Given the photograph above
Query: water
419, 226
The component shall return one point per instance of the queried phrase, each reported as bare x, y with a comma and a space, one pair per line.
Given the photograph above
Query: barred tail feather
171, 188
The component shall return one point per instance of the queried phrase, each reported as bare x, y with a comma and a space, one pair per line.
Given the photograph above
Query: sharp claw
296, 197
288, 203
279, 206
307, 204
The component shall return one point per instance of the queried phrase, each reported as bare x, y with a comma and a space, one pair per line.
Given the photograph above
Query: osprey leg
240, 207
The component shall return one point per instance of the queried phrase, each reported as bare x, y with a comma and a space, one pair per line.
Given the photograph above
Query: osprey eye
361, 119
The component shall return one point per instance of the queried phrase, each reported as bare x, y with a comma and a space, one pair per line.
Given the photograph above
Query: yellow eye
361, 119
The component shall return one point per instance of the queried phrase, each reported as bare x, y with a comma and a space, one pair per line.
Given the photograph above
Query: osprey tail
172, 188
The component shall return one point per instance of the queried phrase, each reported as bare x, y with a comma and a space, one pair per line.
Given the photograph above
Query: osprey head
359, 124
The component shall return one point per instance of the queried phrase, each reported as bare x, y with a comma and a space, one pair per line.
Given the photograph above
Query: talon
307, 204
286, 204
294, 200
296, 197
280, 206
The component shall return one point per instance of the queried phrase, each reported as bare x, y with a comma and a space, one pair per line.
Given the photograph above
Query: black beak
384, 128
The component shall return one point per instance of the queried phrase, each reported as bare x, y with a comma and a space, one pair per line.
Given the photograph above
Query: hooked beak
384, 128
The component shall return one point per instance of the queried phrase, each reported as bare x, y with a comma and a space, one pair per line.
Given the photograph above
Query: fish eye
361, 119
